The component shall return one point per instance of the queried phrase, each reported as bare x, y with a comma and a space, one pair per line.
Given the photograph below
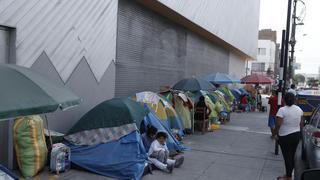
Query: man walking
273, 102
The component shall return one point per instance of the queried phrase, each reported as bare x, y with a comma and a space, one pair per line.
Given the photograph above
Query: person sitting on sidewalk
159, 154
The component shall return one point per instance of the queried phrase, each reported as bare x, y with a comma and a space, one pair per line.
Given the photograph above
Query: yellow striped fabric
30, 145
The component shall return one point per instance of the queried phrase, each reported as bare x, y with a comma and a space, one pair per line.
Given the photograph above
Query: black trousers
288, 146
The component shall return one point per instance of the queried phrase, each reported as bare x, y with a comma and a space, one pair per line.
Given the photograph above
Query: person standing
292, 89
244, 103
273, 102
289, 123
259, 101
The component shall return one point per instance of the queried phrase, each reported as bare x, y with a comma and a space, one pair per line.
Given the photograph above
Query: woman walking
289, 123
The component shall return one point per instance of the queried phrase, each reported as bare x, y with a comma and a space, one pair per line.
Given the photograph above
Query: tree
299, 78
312, 82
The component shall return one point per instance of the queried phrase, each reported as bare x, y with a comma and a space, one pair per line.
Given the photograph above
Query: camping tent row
105, 141
107, 128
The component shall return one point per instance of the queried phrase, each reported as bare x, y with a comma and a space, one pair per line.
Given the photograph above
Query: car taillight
316, 138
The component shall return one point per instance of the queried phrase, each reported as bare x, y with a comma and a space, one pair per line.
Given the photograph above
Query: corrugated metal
152, 51
67, 30
235, 21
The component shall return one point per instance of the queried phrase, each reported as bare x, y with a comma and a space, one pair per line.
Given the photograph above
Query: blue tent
243, 91
221, 78
163, 110
106, 140
121, 159
172, 143
237, 94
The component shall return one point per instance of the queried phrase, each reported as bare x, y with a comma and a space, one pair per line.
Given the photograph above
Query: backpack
60, 158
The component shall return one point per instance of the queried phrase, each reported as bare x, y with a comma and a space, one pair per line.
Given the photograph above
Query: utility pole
285, 66
293, 40
280, 83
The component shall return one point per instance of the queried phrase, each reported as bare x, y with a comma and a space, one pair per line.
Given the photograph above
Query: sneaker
169, 168
147, 169
179, 162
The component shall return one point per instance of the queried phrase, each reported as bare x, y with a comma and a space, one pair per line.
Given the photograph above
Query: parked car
308, 101
311, 140
311, 174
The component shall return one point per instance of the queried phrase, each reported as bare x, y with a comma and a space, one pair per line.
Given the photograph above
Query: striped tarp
100, 135
30, 144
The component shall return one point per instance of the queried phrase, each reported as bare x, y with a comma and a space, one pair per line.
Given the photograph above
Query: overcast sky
273, 15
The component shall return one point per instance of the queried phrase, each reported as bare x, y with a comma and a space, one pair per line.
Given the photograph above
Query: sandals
284, 178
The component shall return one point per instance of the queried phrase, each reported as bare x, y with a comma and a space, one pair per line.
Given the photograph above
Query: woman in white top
289, 123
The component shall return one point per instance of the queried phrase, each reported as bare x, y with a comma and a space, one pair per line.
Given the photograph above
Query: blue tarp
174, 122
243, 91
237, 94
121, 159
172, 143
6, 174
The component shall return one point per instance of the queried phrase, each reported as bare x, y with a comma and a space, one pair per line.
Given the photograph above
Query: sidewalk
241, 149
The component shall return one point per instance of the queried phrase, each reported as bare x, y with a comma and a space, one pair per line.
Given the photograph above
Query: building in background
268, 58
106, 48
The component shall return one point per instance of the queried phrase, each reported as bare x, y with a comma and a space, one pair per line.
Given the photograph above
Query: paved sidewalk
241, 149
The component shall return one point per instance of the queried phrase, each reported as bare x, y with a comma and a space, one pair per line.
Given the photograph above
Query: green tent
111, 113
193, 84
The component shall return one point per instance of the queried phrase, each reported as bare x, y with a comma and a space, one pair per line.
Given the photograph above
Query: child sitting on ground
159, 154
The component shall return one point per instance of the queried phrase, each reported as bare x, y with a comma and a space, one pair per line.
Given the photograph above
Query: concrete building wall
234, 21
237, 66
83, 83
153, 51
72, 42
268, 34
267, 53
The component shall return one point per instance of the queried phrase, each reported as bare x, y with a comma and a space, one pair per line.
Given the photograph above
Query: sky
273, 14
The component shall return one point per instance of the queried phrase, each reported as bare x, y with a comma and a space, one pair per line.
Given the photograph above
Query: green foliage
299, 78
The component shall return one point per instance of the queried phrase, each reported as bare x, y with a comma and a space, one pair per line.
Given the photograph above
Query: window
262, 51
258, 67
